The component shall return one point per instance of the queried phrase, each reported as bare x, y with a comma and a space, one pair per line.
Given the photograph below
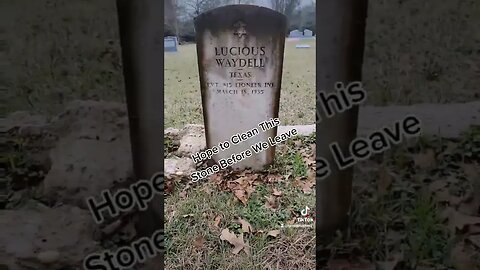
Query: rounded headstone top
257, 19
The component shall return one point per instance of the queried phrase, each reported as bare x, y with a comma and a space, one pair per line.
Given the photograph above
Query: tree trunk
141, 36
340, 43
175, 18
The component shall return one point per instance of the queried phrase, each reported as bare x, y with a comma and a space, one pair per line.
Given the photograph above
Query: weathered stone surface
94, 120
85, 149
172, 132
46, 239
83, 168
92, 153
178, 167
302, 130
240, 57
192, 140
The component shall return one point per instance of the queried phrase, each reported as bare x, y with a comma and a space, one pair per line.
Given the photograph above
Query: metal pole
340, 44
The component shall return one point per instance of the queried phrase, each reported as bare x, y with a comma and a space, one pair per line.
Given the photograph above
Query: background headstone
307, 33
240, 58
295, 34
170, 44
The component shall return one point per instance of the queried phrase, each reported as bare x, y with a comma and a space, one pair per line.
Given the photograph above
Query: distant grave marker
307, 33
170, 44
240, 58
295, 34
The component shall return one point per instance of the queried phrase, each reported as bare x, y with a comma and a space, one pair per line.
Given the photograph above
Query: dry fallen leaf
426, 160
307, 186
475, 239
246, 227
455, 200
249, 190
276, 192
273, 233
470, 208
472, 171
273, 178
207, 190
474, 229
198, 243
216, 222
462, 257
271, 203
216, 178
445, 196
437, 185
169, 186
240, 194
311, 174
230, 237
458, 220
314, 149
170, 214
291, 221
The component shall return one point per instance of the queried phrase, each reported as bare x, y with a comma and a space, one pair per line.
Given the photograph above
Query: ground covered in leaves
234, 219
414, 207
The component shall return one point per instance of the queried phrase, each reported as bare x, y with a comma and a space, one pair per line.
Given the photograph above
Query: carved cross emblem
240, 29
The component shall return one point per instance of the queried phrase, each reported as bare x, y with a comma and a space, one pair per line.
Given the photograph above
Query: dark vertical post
340, 43
141, 35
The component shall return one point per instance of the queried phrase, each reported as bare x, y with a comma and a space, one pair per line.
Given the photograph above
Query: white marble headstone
240, 57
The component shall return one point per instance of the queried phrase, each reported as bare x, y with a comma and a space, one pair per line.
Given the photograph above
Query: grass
191, 213
421, 51
428, 238
58, 51
216, 254
403, 226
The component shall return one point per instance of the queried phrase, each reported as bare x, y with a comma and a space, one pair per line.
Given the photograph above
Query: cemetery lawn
244, 203
182, 87
414, 207
410, 57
